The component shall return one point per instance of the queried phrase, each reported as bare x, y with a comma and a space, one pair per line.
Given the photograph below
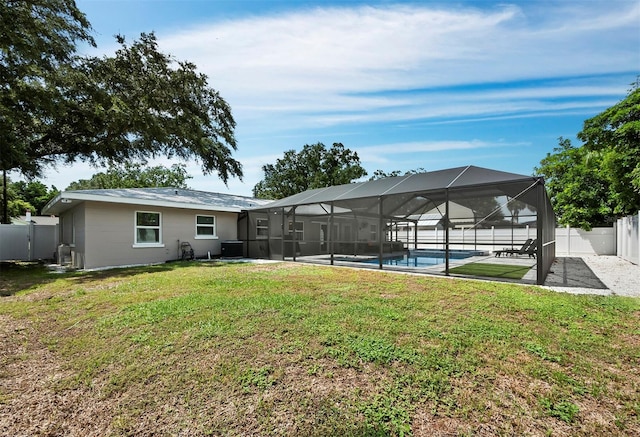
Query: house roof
429, 182
158, 197
459, 215
35, 219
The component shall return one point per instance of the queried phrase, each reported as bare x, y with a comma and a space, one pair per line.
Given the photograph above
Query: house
46, 220
117, 227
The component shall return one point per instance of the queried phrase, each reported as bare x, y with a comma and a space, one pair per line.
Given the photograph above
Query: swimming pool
425, 258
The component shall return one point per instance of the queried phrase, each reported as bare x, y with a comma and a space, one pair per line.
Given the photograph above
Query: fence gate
28, 242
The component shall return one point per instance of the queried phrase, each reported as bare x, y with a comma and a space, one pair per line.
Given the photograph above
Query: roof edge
68, 197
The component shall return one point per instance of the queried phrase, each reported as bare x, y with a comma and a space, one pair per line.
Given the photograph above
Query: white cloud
317, 70
383, 154
332, 65
422, 146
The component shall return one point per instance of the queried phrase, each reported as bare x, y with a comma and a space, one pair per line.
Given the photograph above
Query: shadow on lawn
17, 276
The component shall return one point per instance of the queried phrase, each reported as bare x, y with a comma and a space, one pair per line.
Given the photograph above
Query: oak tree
59, 107
314, 166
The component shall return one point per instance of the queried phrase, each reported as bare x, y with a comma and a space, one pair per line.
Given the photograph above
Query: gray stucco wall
72, 233
109, 234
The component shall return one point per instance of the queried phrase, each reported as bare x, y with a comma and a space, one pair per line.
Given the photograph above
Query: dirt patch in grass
30, 403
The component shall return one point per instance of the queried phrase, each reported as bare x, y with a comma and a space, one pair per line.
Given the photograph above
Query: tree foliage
486, 209
18, 207
613, 138
23, 196
58, 107
34, 193
314, 166
515, 206
137, 105
135, 176
593, 184
381, 174
37, 42
578, 190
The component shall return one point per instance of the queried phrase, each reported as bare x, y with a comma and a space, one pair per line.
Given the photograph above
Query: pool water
409, 261
424, 258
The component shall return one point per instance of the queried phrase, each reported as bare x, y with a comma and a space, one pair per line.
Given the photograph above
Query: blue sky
404, 84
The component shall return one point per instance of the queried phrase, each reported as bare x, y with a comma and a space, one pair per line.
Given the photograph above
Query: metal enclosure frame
376, 220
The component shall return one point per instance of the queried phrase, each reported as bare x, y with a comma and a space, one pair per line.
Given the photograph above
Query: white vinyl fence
597, 241
628, 241
28, 242
569, 241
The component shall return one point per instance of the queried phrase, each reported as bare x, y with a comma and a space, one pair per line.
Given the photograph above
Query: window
148, 229
205, 226
262, 228
299, 230
373, 232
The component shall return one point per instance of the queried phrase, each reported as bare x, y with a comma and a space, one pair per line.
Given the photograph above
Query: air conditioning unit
64, 255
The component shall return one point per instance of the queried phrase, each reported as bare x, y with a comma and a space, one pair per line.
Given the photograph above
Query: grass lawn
491, 270
292, 349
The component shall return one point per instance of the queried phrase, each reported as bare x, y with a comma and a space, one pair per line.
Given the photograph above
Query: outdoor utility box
232, 249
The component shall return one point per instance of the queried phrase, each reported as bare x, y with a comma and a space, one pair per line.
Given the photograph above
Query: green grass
284, 349
491, 270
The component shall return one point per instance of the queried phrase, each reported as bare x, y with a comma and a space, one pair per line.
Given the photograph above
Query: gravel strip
613, 276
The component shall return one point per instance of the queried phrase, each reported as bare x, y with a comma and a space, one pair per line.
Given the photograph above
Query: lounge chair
528, 248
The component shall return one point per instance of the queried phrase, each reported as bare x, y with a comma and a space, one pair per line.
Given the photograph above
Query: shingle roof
167, 197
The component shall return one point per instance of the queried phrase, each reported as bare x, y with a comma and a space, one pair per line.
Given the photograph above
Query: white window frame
213, 236
264, 226
136, 243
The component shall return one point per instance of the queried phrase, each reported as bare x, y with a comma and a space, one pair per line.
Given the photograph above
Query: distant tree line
26, 196
32, 196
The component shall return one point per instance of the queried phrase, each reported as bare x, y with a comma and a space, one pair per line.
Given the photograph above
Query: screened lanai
466, 221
